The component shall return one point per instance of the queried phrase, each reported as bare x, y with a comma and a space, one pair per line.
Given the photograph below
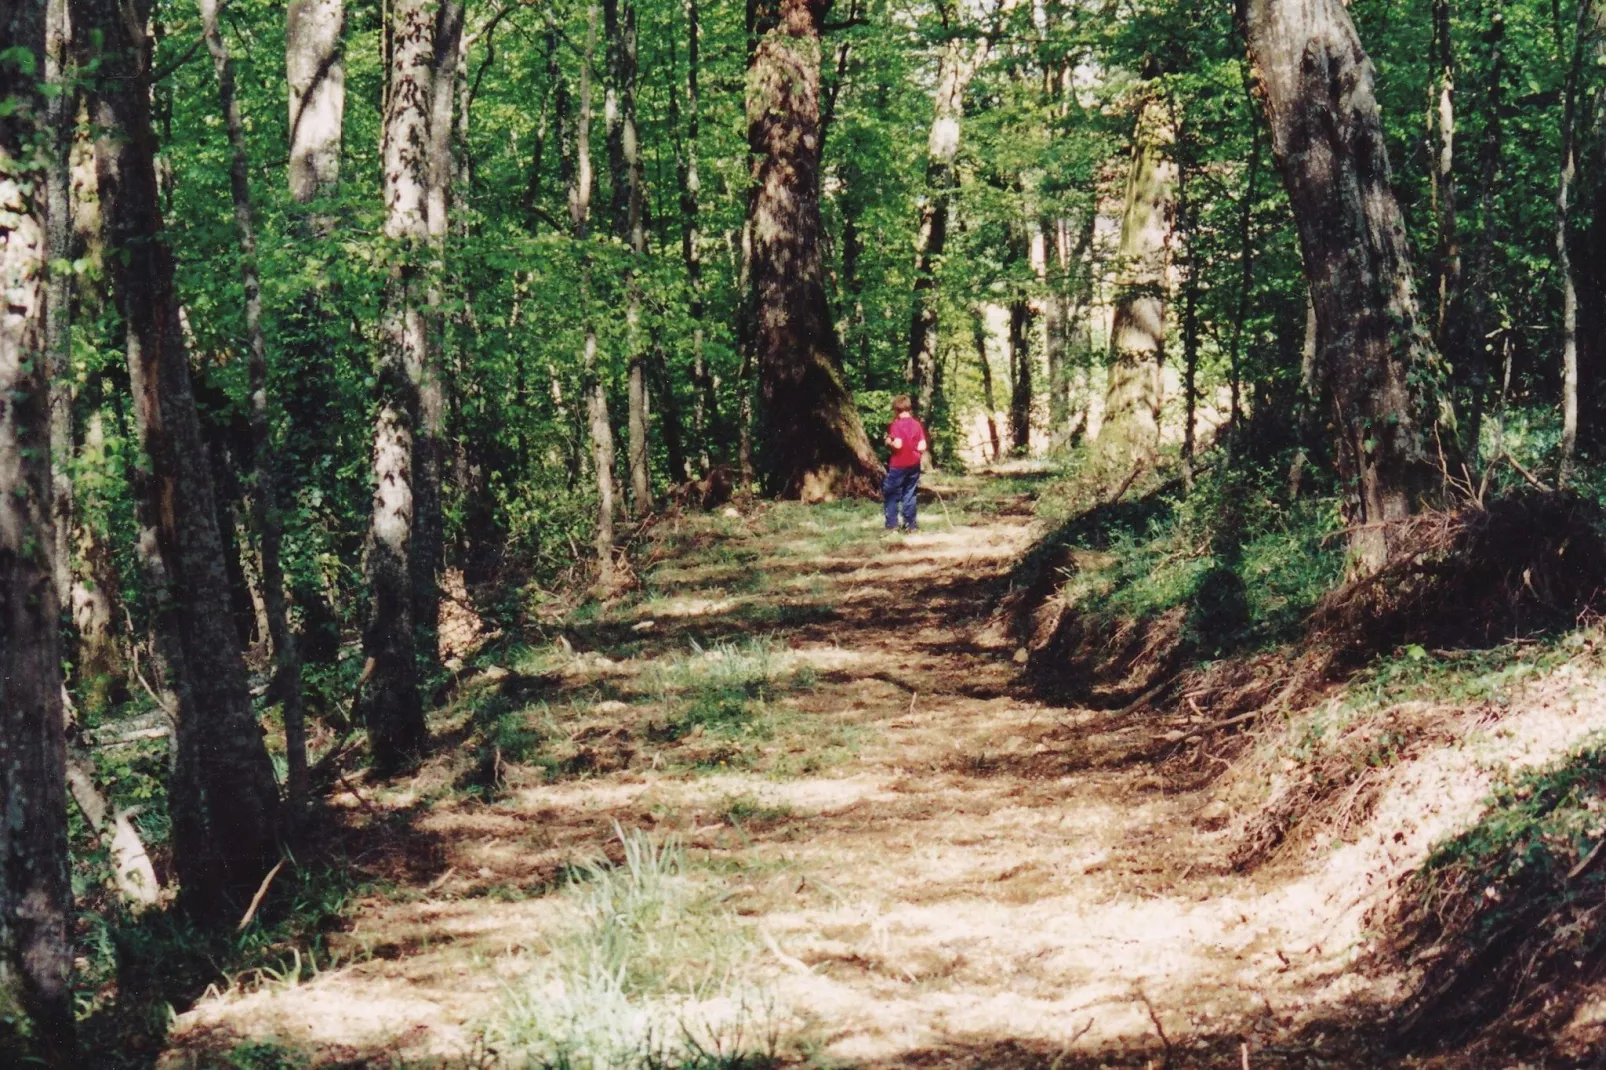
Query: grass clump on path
648, 972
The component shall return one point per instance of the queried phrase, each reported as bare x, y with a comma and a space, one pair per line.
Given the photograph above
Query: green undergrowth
1243, 562
646, 971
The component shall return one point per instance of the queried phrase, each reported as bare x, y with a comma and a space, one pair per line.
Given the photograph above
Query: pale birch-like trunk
315, 69
1134, 393
35, 891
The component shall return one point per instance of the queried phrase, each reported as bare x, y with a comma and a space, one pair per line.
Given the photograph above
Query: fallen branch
256, 900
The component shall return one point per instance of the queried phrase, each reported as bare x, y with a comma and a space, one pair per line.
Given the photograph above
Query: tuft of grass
724, 690
646, 976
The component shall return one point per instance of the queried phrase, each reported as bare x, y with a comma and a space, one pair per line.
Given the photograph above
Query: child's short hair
903, 403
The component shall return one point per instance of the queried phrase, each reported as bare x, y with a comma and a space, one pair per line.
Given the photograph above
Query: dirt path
926, 864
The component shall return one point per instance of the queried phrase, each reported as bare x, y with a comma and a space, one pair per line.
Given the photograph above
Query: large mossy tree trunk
35, 893
222, 796
394, 710
1134, 393
815, 445
1316, 84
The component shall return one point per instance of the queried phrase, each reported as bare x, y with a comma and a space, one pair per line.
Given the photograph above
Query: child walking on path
908, 441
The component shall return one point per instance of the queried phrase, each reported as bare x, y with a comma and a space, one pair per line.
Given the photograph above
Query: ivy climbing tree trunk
816, 448
268, 520
222, 796
35, 892
1134, 394
316, 72
394, 710
1316, 84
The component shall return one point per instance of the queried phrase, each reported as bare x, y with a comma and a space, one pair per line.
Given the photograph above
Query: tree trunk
1316, 83
1474, 343
1448, 284
59, 111
222, 798
1308, 401
35, 892
1056, 323
978, 326
1564, 267
816, 445
428, 551
268, 520
705, 403
1020, 366
316, 71
628, 210
1133, 397
599, 425
955, 67
395, 713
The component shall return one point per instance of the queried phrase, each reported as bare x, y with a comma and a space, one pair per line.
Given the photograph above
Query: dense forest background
360, 310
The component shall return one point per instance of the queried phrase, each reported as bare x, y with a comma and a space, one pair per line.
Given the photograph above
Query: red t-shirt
907, 430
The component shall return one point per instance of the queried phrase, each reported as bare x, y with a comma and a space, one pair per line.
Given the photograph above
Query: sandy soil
977, 878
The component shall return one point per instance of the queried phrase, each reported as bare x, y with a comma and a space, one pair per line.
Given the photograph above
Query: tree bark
958, 63
268, 520
816, 445
629, 205
1447, 289
395, 714
316, 71
705, 403
978, 327
59, 111
429, 536
223, 799
35, 892
1134, 394
599, 424
1316, 83
1474, 344
1020, 367
1564, 268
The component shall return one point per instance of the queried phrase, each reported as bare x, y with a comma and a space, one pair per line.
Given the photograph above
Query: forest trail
918, 861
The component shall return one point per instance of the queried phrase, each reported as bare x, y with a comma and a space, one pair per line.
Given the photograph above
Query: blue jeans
899, 491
